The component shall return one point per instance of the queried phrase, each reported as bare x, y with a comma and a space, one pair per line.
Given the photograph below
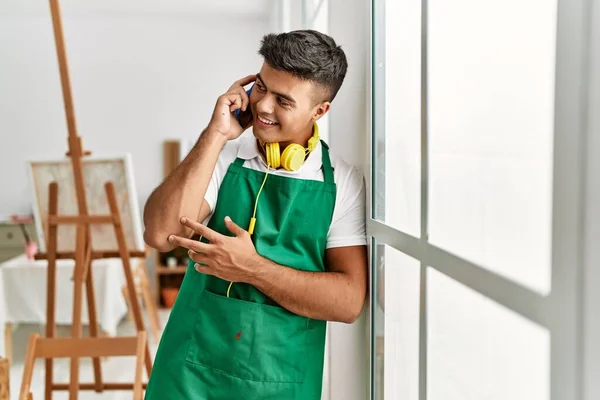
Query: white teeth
266, 121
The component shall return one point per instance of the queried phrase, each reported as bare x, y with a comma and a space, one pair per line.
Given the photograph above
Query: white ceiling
237, 8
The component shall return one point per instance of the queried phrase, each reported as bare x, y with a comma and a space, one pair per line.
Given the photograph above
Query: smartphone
245, 117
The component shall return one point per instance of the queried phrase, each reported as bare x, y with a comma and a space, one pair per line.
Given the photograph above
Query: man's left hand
227, 257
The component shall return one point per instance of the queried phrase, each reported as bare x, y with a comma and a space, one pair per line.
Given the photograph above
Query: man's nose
265, 105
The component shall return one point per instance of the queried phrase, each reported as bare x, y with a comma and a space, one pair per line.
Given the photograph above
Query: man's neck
303, 141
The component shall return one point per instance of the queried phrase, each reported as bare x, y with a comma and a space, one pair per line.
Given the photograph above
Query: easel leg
77, 303
28, 367
51, 281
152, 312
91, 305
120, 235
128, 300
146, 294
139, 366
4, 379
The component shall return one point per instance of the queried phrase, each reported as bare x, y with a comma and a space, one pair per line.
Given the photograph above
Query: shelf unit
167, 277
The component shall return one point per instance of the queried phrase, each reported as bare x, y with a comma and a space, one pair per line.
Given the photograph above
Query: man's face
284, 107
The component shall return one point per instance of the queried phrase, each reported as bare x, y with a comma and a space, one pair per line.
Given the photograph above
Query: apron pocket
249, 340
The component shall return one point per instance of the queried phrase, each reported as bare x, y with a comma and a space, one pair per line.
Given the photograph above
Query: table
23, 294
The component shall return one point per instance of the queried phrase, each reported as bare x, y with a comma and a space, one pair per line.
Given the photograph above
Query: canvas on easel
117, 169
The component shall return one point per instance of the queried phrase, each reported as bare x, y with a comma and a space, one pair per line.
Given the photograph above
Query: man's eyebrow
285, 96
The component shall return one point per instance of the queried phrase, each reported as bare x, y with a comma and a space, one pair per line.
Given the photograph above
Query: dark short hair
309, 55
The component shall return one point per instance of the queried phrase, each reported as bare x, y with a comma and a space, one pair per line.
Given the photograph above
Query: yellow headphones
293, 155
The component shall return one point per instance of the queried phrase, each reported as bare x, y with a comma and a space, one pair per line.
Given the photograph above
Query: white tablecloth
23, 293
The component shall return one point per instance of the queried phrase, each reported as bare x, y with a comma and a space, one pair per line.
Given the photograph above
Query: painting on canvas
96, 172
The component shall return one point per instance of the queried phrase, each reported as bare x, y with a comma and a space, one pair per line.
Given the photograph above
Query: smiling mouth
265, 121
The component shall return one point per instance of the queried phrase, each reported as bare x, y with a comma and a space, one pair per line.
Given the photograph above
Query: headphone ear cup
293, 157
273, 154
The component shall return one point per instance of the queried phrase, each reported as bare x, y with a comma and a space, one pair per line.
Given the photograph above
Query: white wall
349, 24
139, 75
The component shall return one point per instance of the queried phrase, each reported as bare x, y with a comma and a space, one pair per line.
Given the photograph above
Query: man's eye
260, 88
283, 103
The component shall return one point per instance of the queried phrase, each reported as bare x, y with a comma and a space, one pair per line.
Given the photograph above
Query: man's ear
320, 110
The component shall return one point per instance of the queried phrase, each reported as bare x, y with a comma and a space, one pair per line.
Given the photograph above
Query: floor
114, 369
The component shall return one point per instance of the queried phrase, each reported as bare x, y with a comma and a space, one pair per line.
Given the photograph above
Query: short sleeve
227, 156
212, 191
348, 226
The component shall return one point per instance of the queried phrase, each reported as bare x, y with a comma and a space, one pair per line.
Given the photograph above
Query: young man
284, 249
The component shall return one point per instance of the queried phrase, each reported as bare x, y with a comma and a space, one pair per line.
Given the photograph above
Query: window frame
560, 310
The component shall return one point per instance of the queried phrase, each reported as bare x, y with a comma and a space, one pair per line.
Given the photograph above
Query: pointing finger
202, 230
194, 245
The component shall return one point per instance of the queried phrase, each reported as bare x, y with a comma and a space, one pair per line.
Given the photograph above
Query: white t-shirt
348, 223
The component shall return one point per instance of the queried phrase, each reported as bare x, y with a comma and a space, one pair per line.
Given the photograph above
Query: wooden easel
76, 346
144, 294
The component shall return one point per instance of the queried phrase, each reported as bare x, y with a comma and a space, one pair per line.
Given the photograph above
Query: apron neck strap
239, 162
327, 169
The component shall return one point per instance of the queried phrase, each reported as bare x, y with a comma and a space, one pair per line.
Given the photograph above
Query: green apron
247, 347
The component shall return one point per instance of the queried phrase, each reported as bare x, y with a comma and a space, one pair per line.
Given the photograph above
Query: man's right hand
224, 119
